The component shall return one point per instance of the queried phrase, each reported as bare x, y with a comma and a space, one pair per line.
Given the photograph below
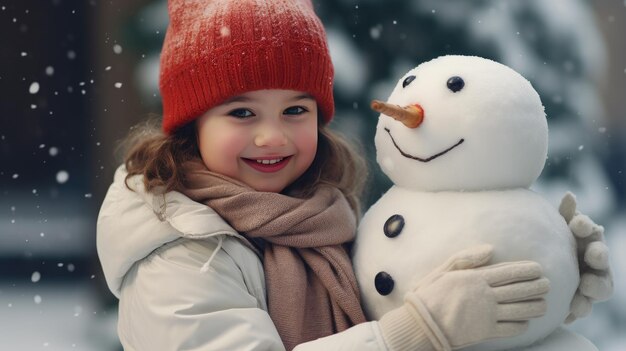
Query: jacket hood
133, 223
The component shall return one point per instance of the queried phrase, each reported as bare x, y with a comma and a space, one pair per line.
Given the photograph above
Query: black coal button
393, 226
384, 283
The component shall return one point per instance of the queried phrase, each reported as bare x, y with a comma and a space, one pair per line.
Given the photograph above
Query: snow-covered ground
54, 317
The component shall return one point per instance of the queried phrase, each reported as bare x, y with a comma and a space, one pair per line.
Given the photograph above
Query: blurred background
76, 75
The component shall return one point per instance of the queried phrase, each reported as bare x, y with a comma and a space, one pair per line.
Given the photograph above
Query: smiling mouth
268, 165
419, 158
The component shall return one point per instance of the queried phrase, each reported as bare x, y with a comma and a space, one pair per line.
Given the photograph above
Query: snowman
463, 138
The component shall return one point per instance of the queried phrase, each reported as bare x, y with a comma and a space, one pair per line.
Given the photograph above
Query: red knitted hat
217, 49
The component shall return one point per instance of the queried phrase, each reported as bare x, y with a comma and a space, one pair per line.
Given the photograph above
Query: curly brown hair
159, 158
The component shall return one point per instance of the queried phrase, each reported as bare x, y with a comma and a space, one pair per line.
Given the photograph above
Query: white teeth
269, 162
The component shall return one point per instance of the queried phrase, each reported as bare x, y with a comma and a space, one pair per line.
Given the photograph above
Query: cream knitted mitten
596, 279
461, 303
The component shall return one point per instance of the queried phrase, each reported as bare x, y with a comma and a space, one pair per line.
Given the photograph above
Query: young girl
229, 229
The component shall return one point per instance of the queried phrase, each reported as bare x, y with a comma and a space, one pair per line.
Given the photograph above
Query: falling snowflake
375, 31
62, 177
36, 276
34, 88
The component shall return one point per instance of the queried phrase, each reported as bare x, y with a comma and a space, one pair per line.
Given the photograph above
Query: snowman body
407, 234
462, 172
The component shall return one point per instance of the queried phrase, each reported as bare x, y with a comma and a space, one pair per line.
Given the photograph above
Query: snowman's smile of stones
427, 159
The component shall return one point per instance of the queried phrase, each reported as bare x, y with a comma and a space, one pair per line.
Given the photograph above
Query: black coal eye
384, 283
408, 81
455, 83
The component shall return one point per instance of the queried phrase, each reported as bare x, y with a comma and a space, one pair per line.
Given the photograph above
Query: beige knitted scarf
311, 287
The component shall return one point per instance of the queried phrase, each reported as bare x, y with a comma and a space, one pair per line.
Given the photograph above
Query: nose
270, 135
412, 115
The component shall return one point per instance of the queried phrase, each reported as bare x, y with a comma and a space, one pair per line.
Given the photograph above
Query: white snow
117, 49
55, 317
35, 277
62, 177
350, 70
376, 31
34, 88
461, 178
498, 116
519, 223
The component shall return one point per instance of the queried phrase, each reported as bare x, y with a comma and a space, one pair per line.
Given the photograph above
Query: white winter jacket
186, 280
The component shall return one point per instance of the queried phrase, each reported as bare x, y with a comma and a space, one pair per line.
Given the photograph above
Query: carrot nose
412, 115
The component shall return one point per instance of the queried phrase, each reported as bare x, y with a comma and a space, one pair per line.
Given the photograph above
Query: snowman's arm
596, 279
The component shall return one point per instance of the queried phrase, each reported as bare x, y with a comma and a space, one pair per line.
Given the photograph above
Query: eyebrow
301, 97
238, 98
241, 98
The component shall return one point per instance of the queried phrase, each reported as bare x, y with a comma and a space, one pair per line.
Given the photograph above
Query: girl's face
264, 138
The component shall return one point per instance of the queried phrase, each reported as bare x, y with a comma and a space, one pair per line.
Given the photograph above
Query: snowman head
462, 123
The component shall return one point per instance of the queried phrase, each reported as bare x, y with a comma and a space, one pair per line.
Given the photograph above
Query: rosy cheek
309, 145
215, 151
232, 141
226, 146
